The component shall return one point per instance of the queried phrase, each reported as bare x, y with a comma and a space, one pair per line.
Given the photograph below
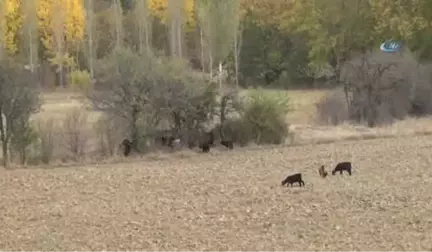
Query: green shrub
23, 137
262, 120
80, 80
235, 129
265, 116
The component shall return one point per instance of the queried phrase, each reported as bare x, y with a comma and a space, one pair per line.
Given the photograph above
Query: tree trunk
370, 108
134, 128
224, 101
173, 39
147, 33
3, 137
31, 56
61, 75
220, 77
202, 50
90, 16
179, 39
118, 23
210, 64
236, 60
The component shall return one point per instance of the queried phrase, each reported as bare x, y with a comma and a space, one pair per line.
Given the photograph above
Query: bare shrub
332, 109
46, 131
75, 132
109, 133
378, 84
237, 130
421, 95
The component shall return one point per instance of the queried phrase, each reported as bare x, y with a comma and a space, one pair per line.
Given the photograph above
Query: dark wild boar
341, 167
295, 178
127, 147
227, 143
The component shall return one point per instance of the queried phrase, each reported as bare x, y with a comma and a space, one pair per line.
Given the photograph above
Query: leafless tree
118, 21
47, 134
30, 33
143, 20
59, 38
219, 21
372, 80
2, 51
75, 132
237, 51
90, 30
176, 11
125, 81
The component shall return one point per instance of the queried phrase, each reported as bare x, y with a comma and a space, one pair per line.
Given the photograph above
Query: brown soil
228, 201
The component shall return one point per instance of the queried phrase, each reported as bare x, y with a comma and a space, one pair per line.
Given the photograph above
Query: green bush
80, 80
262, 119
23, 138
264, 116
237, 130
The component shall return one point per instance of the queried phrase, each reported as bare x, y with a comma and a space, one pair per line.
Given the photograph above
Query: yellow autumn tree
10, 25
73, 20
159, 8
267, 11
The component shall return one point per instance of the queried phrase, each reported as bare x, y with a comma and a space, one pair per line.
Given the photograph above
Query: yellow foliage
159, 8
73, 19
10, 25
267, 11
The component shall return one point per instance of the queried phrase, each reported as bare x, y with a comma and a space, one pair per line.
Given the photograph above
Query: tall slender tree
176, 9
118, 21
58, 27
220, 22
142, 16
30, 33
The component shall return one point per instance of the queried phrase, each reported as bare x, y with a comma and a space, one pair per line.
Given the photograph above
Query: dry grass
228, 201
302, 105
305, 134
57, 104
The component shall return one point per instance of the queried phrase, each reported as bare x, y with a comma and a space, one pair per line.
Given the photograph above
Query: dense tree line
258, 42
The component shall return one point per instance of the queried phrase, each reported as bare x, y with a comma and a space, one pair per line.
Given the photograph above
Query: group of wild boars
297, 177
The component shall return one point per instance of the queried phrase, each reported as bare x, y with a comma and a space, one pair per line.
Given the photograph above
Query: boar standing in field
206, 141
172, 142
127, 147
205, 147
322, 172
227, 143
344, 166
295, 178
